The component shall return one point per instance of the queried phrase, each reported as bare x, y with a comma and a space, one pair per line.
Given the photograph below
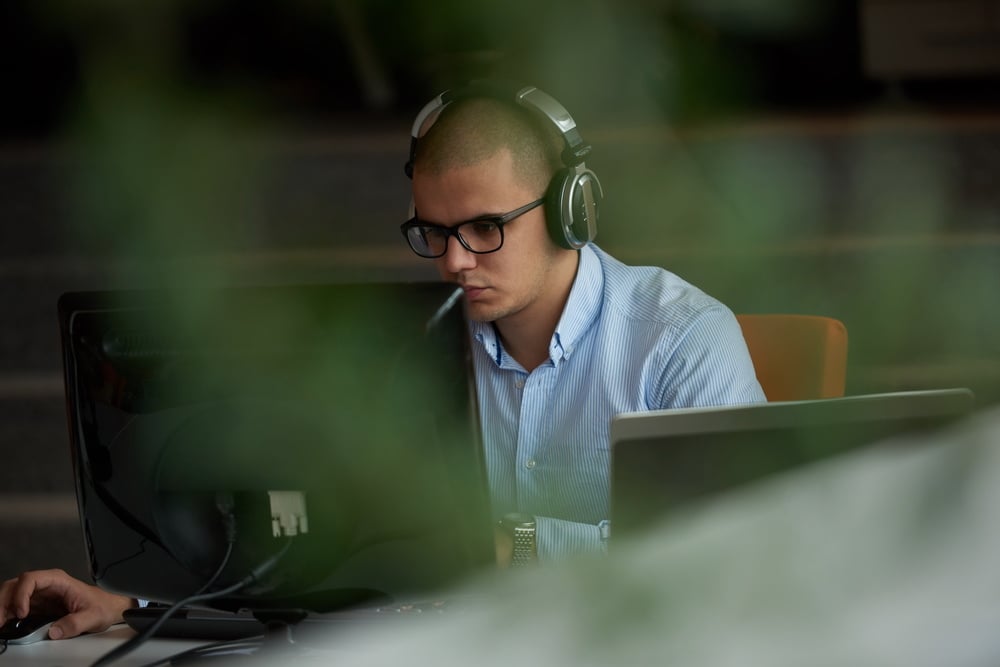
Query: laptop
666, 460
324, 437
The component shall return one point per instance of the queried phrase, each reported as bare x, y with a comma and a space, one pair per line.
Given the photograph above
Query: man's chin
476, 317
480, 313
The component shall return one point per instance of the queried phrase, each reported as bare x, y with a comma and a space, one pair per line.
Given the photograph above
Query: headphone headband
529, 97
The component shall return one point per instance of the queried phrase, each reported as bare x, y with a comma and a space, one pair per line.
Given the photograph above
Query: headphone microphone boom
573, 196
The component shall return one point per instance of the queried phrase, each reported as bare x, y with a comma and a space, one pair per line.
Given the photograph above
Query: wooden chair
797, 357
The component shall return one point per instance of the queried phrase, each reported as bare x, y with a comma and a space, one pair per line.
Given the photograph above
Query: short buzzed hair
469, 131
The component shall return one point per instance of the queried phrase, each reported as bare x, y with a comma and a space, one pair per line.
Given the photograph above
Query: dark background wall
777, 156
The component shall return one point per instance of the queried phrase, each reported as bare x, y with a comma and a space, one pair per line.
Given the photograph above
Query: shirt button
519, 383
529, 464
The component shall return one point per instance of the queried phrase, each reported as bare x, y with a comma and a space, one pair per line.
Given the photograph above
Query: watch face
517, 520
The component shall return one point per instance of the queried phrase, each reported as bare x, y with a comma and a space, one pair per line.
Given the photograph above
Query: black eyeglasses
479, 235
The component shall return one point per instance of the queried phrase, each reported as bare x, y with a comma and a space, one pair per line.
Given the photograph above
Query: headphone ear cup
571, 207
554, 209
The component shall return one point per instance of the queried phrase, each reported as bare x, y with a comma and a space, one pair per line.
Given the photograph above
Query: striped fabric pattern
630, 339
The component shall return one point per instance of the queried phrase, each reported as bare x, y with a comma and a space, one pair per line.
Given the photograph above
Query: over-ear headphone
574, 194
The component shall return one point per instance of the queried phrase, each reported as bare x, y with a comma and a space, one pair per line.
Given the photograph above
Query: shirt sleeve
709, 365
557, 538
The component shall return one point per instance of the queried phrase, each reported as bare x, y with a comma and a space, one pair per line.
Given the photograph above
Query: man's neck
526, 336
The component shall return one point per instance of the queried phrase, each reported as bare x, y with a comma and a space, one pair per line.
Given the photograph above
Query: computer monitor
665, 461
324, 436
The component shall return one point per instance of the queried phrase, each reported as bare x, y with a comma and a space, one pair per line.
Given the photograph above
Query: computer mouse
27, 630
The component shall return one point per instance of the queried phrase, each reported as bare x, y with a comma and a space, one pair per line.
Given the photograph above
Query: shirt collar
486, 335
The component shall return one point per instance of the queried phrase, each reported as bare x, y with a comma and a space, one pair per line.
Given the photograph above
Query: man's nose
457, 258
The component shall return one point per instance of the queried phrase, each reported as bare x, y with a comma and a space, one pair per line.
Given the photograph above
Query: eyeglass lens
480, 236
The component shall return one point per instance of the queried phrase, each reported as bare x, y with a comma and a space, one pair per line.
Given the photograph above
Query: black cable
218, 571
3, 646
246, 645
136, 641
224, 503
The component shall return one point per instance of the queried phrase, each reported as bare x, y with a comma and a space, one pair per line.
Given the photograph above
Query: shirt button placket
529, 434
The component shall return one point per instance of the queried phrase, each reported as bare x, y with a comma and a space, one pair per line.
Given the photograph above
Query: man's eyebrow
480, 216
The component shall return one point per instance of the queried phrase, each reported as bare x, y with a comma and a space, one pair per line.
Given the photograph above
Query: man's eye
483, 227
434, 233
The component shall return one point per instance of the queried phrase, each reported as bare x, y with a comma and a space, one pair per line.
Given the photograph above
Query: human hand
504, 544
84, 608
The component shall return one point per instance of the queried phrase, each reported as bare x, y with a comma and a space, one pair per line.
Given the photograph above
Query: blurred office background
835, 158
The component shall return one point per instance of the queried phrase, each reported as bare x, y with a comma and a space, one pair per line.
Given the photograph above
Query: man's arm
558, 538
709, 366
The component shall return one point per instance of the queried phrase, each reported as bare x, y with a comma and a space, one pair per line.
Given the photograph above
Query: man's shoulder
650, 293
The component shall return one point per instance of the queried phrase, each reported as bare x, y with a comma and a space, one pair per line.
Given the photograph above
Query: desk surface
84, 650
322, 647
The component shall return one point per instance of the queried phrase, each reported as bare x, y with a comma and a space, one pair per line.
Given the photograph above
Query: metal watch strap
521, 528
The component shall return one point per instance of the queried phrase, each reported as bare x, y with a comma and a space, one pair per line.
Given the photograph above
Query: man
564, 336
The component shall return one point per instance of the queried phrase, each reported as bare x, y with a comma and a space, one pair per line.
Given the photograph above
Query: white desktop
85, 649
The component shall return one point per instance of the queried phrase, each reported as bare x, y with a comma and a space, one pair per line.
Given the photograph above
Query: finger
90, 619
101, 612
65, 628
39, 590
6, 589
21, 590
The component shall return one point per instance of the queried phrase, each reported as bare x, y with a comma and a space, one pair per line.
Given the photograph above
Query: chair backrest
797, 357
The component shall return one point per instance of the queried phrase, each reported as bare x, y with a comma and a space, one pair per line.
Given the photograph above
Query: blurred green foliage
875, 214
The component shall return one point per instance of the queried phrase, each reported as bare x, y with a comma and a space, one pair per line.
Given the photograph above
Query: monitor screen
325, 436
666, 460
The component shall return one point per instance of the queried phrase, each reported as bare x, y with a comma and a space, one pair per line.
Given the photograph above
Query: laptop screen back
665, 460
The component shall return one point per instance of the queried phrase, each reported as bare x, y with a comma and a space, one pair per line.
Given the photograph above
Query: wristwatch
521, 529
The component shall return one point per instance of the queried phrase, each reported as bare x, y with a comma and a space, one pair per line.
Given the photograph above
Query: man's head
500, 192
469, 131
463, 125
481, 159
484, 157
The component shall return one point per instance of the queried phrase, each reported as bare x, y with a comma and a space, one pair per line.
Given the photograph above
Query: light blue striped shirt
630, 339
